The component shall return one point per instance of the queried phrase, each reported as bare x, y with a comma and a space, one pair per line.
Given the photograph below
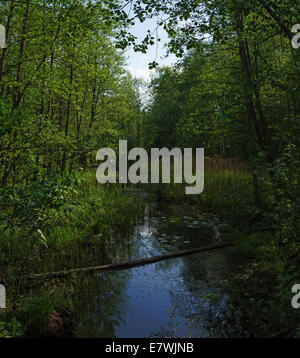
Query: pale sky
137, 62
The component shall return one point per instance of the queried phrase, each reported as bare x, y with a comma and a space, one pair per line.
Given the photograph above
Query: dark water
181, 297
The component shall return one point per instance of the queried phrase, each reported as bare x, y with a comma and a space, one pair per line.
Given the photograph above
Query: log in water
130, 264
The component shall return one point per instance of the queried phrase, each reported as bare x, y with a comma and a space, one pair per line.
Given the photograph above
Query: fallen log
130, 264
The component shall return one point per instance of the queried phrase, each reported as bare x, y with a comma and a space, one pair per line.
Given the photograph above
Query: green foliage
84, 224
236, 93
10, 329
67, 96
64, 94
226, 190
263, 247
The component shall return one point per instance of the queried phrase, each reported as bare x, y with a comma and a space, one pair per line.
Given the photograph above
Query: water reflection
172, 298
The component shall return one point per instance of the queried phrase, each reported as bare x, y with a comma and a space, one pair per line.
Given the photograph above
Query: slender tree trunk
17, 94
68, 115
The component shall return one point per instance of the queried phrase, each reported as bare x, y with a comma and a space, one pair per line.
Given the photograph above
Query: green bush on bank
64, 224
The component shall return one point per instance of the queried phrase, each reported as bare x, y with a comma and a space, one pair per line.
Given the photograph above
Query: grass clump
227, 189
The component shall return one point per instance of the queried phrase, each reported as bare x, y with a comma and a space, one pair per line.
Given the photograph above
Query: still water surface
180, 297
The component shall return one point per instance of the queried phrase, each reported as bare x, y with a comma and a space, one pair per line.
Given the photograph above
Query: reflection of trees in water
104, 307
188, 279
201, 297
196, 282
192, 283
102, 300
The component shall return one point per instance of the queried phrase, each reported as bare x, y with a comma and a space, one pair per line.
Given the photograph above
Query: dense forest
65, 93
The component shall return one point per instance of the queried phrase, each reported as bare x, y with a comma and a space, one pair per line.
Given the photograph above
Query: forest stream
181, 297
